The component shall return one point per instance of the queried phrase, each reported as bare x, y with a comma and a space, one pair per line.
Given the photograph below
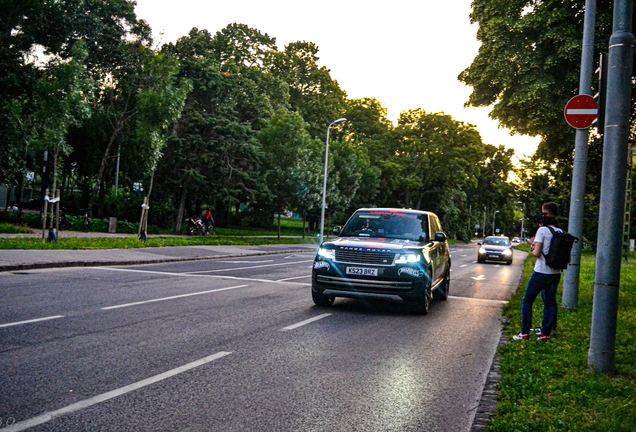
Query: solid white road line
199, 275
31, 321
46, 417
479, 300
250, 267
245, 262
463, 265
172, 297
292, 278
302, 323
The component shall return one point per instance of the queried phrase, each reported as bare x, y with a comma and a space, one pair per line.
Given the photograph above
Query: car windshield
497, 242
387, 224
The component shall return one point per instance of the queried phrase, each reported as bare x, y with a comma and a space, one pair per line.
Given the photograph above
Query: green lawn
132, 242
547, 387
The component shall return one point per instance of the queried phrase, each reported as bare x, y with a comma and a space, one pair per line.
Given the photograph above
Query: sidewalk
18, 259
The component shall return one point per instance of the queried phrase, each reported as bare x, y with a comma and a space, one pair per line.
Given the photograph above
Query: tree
282, 142
143, 98
34, 33
435, 160
214, 146
528, 65
312, 91
62, 95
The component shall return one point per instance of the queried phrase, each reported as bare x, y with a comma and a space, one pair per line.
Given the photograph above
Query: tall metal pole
483, 229
602, 355
523, 217
117, 171
577, 198
494, 217
324, 182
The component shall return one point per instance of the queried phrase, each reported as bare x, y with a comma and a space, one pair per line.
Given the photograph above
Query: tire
191, 230
480, 260
441, 293
420, 307
322, 300
509, 262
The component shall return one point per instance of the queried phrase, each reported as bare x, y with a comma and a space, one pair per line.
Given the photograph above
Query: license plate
362, 271
493, 256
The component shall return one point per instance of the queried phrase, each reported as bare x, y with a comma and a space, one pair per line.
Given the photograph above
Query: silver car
495, 248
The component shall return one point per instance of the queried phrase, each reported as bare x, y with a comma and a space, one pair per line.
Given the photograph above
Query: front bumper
494, 256
392, 283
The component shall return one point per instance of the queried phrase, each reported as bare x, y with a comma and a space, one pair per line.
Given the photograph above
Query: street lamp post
324, 182
522, 218
494, 217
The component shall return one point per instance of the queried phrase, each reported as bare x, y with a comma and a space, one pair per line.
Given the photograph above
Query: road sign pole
602, 355
579, 169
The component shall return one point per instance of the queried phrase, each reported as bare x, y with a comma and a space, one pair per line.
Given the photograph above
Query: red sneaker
543, 338
521, 336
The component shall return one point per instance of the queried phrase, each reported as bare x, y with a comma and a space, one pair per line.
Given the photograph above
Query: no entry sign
581, 111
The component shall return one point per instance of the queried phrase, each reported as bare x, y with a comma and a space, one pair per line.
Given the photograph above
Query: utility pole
579, 170
602, 355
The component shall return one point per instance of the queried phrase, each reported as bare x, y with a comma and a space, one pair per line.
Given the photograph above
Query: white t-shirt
544, 236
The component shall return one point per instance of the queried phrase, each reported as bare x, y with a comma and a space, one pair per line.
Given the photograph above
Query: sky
405, 53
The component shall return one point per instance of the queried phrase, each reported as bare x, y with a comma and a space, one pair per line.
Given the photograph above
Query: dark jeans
546, 285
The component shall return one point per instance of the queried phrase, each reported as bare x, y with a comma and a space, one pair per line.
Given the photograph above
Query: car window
435, 226
387, 224
497, 241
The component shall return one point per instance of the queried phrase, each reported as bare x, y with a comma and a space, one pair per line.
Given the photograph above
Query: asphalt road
238, 345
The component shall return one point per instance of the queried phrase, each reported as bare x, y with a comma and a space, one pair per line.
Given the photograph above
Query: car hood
370, 244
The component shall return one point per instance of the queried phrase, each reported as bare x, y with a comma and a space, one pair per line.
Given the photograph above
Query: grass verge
8, 228
133, 242
548, 387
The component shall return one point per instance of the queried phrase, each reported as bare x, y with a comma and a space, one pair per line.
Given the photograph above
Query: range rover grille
361, 257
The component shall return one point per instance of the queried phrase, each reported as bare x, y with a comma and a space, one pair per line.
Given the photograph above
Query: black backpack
558, 257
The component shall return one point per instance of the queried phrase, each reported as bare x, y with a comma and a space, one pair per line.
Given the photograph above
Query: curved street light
324, 183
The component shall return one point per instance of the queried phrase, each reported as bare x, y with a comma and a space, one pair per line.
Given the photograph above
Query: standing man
544, 280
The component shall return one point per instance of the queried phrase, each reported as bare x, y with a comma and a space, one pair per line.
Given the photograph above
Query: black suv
383, 253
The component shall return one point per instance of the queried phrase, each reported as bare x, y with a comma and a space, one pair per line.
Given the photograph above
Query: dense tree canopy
224, 121
529, 63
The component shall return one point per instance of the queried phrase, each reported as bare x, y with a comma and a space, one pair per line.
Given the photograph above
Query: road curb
488, 401
35, 266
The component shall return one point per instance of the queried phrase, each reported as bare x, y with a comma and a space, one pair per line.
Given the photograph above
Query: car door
437, 254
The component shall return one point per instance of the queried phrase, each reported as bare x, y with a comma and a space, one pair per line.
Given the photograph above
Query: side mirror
478, 244
336, 230
440, 237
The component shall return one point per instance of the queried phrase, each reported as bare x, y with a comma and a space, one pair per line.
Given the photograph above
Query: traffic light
600, 96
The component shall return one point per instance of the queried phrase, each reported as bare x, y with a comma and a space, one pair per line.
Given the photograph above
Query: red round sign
581, 111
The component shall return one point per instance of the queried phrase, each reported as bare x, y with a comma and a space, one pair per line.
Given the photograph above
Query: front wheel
420, 307
322, 300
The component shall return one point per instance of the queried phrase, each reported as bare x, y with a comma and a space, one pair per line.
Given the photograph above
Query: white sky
405, 53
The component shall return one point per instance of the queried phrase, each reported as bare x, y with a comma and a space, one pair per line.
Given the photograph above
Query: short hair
551, 208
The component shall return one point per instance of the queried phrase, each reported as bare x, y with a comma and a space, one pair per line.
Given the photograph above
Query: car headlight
326, 253
507, 252
482, 250
407, 258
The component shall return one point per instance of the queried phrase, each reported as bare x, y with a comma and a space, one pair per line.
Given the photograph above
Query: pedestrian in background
544, 280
